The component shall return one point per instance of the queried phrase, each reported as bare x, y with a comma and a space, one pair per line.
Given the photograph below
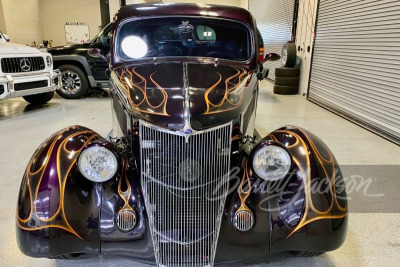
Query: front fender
308, 212
58, 209
74, 58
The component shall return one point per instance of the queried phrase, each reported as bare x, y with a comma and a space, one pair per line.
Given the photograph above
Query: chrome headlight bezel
271, 145
99, 151
49, 61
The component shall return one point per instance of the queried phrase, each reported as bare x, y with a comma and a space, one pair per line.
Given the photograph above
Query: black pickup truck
80, 70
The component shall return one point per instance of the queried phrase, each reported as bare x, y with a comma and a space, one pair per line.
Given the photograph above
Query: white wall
114, 7
26, 21
22, 21
56, 13
244, 4
114, 4
2, 21
305, 35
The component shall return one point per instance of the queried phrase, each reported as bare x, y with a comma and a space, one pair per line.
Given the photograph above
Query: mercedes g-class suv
26, 71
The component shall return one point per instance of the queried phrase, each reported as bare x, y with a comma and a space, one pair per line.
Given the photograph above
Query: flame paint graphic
311, 213
126, 78
58, 220
230, 88
243, 195
125, 195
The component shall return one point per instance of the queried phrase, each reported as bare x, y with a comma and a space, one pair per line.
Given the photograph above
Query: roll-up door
355, 68
274, 20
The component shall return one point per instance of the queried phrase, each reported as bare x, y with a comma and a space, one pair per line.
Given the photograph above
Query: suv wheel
39, 99
74, 82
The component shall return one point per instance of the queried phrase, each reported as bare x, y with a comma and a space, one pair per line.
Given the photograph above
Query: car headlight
98, 164
271, 162
49, 61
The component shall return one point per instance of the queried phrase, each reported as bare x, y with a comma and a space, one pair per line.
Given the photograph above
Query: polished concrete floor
373, 239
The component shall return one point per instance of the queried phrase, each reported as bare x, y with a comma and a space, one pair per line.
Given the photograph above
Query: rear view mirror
96, 52
271, 57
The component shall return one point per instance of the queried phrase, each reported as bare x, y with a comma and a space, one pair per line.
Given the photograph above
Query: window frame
122, 23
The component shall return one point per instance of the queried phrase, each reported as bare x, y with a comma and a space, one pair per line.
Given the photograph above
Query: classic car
182, 180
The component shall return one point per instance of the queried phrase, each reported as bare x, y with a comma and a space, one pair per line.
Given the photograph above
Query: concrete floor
372, 240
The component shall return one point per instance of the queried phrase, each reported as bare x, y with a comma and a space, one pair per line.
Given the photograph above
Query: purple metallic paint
135, 79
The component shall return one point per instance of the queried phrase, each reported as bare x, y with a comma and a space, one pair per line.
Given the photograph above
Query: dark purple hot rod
182, 180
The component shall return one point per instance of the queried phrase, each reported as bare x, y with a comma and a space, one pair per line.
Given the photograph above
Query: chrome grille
126, 220
243, 220
185, 182
13, 65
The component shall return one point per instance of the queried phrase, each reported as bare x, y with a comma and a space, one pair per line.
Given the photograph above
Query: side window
206, 33
107, 37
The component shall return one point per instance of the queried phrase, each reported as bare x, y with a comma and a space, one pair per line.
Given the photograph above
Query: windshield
105, 31
183, 36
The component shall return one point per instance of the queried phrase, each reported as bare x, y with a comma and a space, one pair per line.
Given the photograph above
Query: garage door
356, 63
274, 20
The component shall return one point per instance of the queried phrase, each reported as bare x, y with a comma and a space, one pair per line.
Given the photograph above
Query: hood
72, 46
159, 93
11, 48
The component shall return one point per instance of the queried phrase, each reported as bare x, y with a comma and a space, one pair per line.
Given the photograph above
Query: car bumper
8, 83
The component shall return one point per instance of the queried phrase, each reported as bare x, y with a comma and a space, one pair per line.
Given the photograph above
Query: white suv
26, 71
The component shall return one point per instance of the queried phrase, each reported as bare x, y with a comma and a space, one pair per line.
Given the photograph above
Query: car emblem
185, 27
25, 64
187, 131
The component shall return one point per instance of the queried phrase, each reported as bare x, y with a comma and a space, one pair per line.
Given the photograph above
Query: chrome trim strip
187, 128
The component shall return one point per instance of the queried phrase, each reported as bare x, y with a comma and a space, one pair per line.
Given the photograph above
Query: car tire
288, 55
305, 253
39, 99
287, 81
287, 72
75, 84
286, 90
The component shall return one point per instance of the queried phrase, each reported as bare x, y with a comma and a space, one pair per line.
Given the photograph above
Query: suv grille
185, 186
22, 64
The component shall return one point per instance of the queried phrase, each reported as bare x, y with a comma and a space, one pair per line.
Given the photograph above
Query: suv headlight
271, 162
49, 61
98, 164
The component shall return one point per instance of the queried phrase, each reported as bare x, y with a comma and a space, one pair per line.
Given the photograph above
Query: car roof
175, 9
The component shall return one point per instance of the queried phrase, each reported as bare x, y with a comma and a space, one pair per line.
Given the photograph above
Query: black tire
287, 81
287, 72
286, 90
305, 253
79, 85
288, 55
39, 99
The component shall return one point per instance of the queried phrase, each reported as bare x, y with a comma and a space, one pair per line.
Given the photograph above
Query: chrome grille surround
243, 220
125, 220
185, 183
13, 64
